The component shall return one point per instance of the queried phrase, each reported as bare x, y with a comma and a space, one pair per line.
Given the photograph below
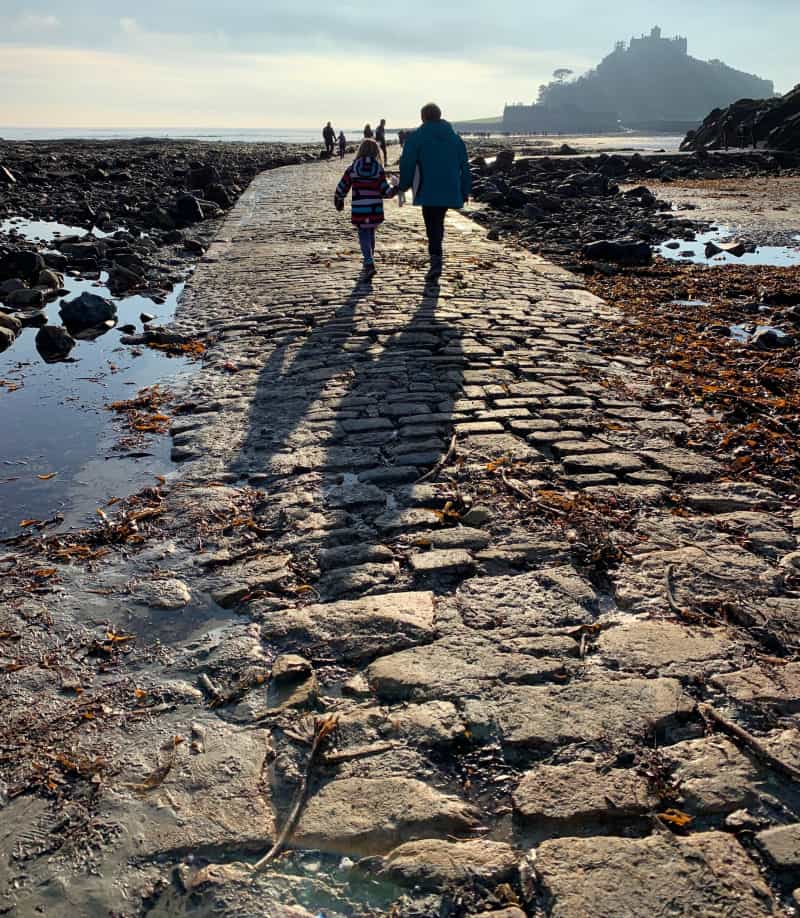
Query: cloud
34, 21
128, 25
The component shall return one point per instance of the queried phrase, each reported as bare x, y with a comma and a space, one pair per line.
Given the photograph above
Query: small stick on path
451, 451
322, 730
748, 740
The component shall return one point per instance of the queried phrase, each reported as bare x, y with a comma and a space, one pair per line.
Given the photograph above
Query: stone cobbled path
449, 517
443, 619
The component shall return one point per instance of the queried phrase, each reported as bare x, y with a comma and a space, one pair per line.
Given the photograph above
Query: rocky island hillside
774, 123
651, 83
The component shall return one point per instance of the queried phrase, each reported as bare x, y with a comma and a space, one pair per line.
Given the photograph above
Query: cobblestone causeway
508, 677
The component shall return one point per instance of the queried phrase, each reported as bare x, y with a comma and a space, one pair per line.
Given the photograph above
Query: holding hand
338, 203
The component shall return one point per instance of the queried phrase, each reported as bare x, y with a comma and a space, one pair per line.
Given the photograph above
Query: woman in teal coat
435, 166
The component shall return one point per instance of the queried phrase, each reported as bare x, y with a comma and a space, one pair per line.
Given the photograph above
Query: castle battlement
655, 43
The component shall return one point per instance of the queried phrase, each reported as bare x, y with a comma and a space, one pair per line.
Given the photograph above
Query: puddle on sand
44, 231
57, 420
779, 256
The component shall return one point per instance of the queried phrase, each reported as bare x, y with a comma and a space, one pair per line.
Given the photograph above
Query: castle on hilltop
655, 43
649, 83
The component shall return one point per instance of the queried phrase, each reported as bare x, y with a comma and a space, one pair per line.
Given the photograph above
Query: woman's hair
370, 148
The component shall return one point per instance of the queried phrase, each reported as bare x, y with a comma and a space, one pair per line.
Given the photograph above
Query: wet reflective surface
785, 256
54, 419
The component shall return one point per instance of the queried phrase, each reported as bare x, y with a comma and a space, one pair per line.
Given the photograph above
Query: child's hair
369, 148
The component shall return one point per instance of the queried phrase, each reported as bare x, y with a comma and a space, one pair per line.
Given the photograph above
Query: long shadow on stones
397, 421
278, 444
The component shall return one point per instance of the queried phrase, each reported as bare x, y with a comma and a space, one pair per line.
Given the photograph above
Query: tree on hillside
562, 73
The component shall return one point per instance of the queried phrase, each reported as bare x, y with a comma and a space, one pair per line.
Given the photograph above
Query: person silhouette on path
435, 164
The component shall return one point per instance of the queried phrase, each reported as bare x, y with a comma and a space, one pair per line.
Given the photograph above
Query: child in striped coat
365, 176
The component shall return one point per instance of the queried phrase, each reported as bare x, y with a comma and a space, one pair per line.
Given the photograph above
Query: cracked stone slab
665, 647
433, 863
778, 685
454, 666
722, 571
206, 802
684, 464
354, 630
368, 816
713, 776
563, 799
519, 602
706, 874
782, 846
540, 718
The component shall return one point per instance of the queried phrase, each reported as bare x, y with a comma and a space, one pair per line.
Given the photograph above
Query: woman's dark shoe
435, 270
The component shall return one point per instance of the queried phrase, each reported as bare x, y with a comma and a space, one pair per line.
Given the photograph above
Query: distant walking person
370, 186
435, 164
342, 144
380, 136
329, 136
368, 135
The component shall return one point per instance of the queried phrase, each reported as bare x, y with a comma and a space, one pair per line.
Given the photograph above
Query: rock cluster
772, 123
567, 207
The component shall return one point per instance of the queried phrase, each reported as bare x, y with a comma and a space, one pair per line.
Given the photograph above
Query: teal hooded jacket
435, 165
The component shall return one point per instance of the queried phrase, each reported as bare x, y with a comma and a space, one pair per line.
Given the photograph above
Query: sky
299, 63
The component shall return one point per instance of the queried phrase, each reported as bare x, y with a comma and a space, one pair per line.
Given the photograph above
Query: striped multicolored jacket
370, 186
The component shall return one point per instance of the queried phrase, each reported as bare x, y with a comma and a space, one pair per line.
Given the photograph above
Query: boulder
504, 160
769, 339
620, 251
10, 285
11, 323
203, 176
26, 298
87, 311
50, 279
53, 343
21, 263
217, 194
6, 338
188, 209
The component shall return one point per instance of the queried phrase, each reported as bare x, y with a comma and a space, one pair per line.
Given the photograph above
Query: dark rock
50, 279
504, 160
11, 285
217, 194
55, 261
24, 299
194, 246
21, 263
188, 209
203, 177
158, 218
53, 343
620, 251
87, 311
7, 338
10, 323
768, 339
